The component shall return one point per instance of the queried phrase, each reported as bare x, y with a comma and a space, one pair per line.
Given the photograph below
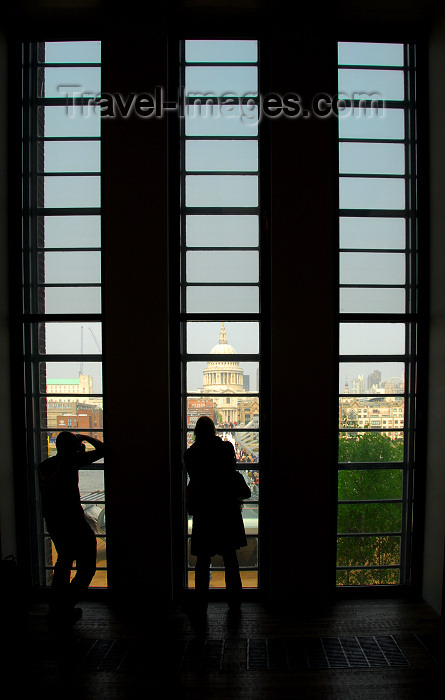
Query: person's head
204, 428
68, 443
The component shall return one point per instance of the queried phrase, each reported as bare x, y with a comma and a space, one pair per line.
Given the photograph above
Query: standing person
73, 538
215, 503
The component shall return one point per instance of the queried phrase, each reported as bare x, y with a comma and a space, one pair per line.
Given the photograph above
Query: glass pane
368, 577
74, 413
215, 51
221, 155
72, 156
372, 158
368, 84
374, 412
369, 54
369, 484
72, 338
91, 484
75, 81
72, 300
238, 120
72, 52
250, 518
370, 447
68, 120
71, 231
372, 268
372, 338
221, 80
368, 551
372, 193
372, 378
245, 442
72, 378
222, 266
369, 517
216, 376
65, 268
372, 232
100, 577
221, 191
205, 337
226, 300
75, 191
372, 301
215, 231
361, 123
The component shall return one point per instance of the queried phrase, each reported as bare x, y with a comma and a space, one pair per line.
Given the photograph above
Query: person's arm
90, 456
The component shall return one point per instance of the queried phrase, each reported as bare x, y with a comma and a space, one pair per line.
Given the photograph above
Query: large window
220, 264
62, 270
378, 312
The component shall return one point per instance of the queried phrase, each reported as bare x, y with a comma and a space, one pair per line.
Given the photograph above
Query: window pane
372, 268
72, 156
372, 232
79, 121
91, 482
72, 52
222, 266
372, 193
221, 191
72, 231
81, 267
368, 551
221, 80
371, 54
66, 338
369, 484
74, 377
369, 517
371, 577
361, 84
375, 377
72, 300
76, 191
370, 447
222, 300
383, 123
222, 155
240, 120
372, 338
72, 81
203, 337
75, 413
214, 51
215, 231
371, 301
372, 158
198, 377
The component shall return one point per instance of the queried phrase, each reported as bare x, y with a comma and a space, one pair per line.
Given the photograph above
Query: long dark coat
217, 521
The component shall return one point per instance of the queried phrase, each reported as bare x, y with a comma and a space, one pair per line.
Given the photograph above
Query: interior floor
358, 649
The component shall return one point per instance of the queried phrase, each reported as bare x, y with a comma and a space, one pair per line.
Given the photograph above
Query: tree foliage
368, 522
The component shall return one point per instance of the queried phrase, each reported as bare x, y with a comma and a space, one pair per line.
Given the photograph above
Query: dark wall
135, 295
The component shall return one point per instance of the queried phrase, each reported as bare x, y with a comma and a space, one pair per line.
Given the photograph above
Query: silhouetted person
215, 503
72, 536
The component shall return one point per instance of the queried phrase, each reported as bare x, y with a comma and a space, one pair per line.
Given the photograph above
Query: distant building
224, 376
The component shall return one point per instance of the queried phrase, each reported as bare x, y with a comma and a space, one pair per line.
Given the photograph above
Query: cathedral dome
223, 348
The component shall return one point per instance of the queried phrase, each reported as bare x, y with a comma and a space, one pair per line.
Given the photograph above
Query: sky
360, 263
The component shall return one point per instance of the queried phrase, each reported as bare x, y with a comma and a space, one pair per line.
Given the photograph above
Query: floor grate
270, 654
324, 653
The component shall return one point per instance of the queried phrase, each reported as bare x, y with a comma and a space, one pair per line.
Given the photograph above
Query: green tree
370, 484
